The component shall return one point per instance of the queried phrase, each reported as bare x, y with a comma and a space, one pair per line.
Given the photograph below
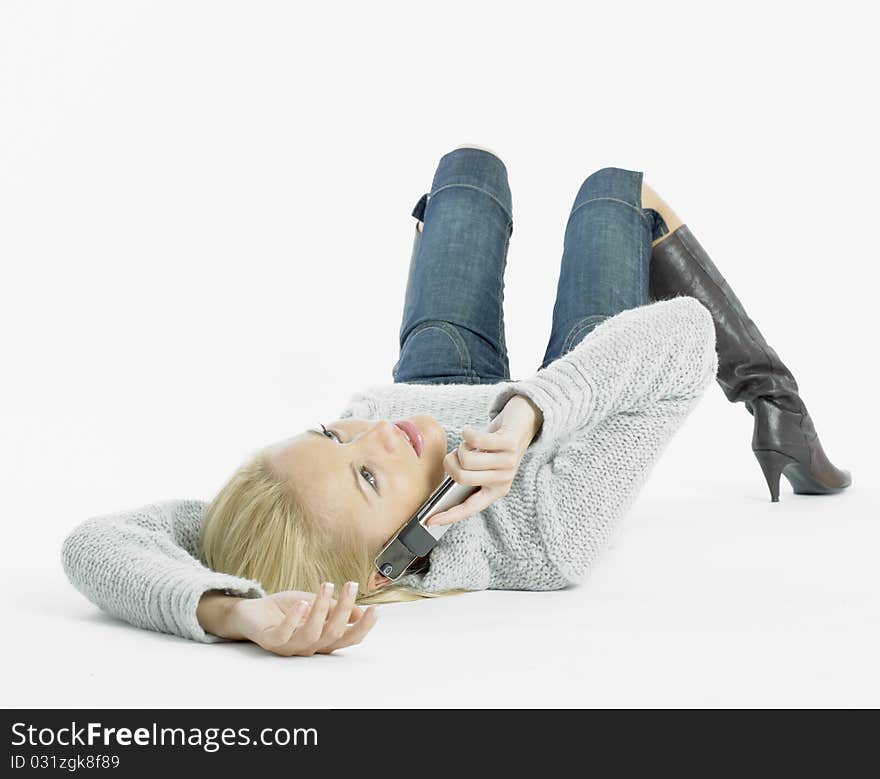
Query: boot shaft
747, 366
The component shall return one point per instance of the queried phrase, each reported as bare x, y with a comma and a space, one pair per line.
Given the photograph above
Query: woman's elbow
77, 549
700, 351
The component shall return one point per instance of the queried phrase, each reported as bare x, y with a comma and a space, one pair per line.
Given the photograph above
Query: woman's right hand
490, 458
293, 622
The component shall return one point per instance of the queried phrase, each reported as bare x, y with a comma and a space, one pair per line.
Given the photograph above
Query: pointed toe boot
784, 439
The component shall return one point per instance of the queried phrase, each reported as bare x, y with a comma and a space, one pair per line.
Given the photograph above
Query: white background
204, 235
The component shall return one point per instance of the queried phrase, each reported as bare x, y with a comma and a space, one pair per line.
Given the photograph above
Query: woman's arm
143, 566
584, 492
645, 371
659, 352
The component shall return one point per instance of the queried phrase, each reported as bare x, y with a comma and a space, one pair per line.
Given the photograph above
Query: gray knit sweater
610, 407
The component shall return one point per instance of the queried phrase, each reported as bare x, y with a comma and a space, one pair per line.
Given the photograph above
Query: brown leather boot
784, 440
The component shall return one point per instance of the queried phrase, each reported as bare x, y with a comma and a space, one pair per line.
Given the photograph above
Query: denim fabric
453, 320
606, 256
453, 324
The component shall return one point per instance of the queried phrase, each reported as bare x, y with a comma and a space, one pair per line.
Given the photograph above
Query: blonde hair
258, 527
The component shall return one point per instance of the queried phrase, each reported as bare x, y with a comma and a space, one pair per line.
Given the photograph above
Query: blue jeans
453, 317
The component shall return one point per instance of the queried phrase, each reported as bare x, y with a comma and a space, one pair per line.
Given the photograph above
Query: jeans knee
614, 183
478, 168
481, 148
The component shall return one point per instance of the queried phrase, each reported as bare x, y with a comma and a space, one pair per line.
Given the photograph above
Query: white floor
204, 253
716, 598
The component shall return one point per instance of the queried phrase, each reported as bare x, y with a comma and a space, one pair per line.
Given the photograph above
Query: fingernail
328, 588
301, 605
352, 588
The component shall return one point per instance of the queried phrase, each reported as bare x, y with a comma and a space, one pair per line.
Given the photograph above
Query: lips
413, 433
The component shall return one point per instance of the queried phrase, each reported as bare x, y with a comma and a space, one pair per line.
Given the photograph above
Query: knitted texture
610, 406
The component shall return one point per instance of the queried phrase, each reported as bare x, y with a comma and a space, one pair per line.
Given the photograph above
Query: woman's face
365, 472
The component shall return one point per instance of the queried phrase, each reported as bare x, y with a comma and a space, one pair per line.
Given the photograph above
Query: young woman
643, 321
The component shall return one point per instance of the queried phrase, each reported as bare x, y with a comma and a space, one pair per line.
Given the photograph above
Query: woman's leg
784, 438
419, 223
452, 330
606, 256
668, 219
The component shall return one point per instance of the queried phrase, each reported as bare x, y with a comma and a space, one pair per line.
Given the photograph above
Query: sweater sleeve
144, 566
588, 486
658, 352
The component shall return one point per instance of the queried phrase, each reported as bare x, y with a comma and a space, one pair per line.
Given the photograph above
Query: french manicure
352, 588
327, 588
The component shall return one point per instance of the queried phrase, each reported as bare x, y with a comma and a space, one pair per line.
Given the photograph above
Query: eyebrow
359, 485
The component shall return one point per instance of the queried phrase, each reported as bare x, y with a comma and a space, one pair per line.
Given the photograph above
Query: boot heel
772, 463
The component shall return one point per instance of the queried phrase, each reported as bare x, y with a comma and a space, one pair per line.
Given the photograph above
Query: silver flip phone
414, 540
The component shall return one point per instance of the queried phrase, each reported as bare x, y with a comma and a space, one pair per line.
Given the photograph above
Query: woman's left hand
490, 459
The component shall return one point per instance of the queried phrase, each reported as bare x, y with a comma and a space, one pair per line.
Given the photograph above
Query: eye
372, 479
331, 434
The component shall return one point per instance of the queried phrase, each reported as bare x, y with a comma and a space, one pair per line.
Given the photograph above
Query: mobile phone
414, 540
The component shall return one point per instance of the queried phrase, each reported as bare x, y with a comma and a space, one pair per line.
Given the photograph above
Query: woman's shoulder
359, 405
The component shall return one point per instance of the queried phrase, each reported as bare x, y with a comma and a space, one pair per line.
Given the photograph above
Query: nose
388, 435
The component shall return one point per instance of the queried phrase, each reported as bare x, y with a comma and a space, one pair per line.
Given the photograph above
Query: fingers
309, 633
464, 474
473, 460
487, 452
335, 626
355, 633
289, 599
475, 503
493, 470
279, 635
490, 441
335, 632
306, 627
